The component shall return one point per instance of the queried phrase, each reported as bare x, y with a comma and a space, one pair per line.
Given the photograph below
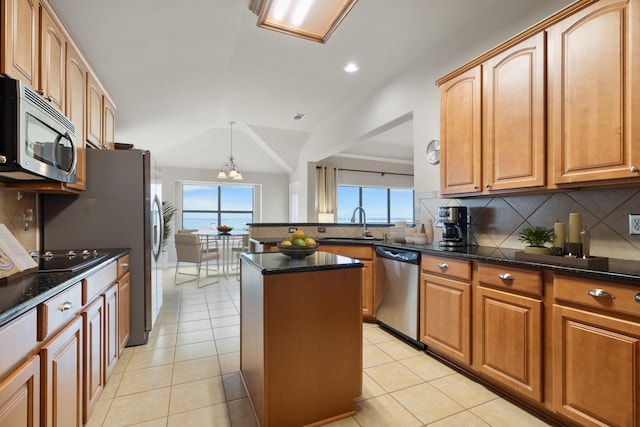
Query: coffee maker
453, 220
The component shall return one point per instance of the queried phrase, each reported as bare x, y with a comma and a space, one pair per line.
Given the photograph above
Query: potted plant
536, 237
168, 212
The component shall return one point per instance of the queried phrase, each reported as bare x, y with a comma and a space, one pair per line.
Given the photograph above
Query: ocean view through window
383, 205
212, 205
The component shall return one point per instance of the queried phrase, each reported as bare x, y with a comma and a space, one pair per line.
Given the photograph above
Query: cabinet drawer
18, 338
455, 268
123, 265
356, 252
606, 296
56, 312
93, 285
509, 278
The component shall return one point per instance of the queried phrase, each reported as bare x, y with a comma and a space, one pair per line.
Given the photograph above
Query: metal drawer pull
600, 293
506, 276
125, 264
67, 305
637, 297
443, 265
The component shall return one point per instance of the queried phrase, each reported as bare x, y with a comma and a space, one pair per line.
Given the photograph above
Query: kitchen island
301, 337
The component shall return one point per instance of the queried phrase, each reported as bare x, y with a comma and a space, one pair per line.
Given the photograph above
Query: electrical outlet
634, 223
322, 229
292, 229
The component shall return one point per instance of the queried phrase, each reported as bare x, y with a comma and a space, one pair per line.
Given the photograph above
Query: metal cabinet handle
67, 305
506, 276
3, 159
637, 298
475, 187
125, 264
443, 265
488, 186
633, 169
600, 293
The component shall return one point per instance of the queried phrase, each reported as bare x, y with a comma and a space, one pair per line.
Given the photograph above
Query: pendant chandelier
229, 169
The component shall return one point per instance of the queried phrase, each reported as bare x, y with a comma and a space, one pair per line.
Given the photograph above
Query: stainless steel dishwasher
397, 295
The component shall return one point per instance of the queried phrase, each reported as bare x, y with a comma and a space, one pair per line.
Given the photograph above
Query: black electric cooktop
67, 260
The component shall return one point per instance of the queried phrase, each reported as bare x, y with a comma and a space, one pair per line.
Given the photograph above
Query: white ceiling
179, 71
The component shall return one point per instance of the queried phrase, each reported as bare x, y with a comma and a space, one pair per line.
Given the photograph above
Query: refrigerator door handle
158, 228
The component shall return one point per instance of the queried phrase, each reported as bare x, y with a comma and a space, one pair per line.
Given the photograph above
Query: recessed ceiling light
351, 68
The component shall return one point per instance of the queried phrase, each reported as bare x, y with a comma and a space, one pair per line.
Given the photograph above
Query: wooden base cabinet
93, 377
20, 396
62, 377
111, 342
124, 301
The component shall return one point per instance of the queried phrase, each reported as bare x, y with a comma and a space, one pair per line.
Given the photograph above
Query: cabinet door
94, 112
445, 316
460, 133
111, 343
108, 122
52, 61
75, 98
594, 93
62, 377
596, 368
368, 306
124, 302
20, 396
19, 57
93, 323
514, 133
508, 340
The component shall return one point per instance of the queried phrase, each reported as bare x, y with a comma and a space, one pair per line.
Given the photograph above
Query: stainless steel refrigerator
121, 208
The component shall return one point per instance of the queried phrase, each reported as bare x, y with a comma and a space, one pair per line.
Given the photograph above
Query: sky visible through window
382, 205
200, 206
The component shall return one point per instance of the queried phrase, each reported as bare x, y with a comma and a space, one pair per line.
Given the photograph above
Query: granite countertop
24, 293
278, 263
626, 271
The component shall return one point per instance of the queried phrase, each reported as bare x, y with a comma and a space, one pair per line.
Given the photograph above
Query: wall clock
433, 151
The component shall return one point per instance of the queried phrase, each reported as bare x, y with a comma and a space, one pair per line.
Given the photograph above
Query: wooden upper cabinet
108, 122
594, 93
514, 133
75, 99
460, 133
52, 60
19, 40
94, 112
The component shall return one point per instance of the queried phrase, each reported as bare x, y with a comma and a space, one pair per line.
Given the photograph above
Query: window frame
388, 207
217, 213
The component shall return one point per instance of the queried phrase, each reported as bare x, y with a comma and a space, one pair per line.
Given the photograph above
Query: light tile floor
188, 375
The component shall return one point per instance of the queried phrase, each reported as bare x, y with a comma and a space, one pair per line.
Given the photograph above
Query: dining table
228, 240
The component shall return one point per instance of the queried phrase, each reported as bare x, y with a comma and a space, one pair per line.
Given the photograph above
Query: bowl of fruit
224, 229
298, 246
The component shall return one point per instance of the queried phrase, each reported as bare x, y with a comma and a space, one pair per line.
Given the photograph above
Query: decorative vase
538, 250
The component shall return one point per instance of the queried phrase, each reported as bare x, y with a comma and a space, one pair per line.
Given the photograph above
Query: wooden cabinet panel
19, 40
95, 284
111, 342
93, 377
508, 340
124, 316
511, 279
445, 316
368, 306
452, 268
594, 93
596, 365
18, 339
58, 311
108, 123
94, 112
460, 133
62, 377
52, 60
20, 396
514, 133
75, 107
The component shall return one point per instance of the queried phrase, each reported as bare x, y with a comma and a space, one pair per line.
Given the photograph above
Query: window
384, 205
213, 205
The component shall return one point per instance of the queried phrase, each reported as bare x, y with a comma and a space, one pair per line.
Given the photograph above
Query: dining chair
239, 246
190, 249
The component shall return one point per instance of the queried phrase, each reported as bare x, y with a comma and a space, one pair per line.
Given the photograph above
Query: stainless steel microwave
37, 142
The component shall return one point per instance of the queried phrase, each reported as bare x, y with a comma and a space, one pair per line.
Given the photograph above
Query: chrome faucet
365, 232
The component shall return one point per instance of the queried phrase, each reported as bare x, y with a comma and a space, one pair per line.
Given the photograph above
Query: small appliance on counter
453, 220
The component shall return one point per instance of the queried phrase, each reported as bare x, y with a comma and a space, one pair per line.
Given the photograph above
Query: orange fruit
298, 234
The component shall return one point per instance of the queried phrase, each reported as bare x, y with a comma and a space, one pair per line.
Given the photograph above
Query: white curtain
327, 191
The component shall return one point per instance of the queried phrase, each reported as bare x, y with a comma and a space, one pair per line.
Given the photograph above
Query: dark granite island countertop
301, 337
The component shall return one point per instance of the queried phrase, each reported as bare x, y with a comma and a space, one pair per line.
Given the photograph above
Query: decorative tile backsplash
12, 207
497, 221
